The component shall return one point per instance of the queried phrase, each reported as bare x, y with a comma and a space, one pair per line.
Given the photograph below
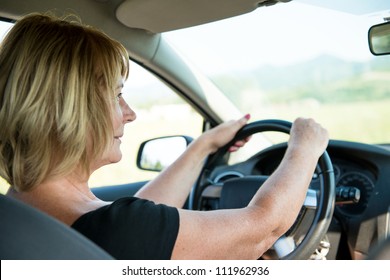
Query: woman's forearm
284, 192
173, 184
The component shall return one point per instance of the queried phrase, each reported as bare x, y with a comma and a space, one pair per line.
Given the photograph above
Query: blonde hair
57, 79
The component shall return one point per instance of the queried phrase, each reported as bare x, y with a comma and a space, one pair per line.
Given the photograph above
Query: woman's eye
119, 96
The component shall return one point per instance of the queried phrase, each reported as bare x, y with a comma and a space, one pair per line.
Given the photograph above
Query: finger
248, 138
239, 143
233, 149
243, 121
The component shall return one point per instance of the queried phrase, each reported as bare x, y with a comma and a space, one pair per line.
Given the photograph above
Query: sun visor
160, 16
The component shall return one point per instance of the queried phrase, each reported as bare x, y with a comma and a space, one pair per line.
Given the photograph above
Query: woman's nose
128, 114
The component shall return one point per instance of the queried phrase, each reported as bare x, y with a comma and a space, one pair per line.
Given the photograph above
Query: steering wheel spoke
284, 246
311, 200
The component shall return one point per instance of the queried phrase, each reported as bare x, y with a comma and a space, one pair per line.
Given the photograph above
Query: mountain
326, 78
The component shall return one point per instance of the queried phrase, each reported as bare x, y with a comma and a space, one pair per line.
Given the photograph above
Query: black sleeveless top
132, 229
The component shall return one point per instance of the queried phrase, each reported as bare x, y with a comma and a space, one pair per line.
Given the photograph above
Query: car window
294, 59
160, 112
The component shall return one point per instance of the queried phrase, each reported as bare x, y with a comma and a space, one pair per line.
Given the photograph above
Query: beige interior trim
165, 15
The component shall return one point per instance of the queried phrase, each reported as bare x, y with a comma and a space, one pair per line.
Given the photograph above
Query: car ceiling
98, 13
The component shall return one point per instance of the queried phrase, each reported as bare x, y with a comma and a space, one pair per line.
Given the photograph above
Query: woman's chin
116, 158
113, 158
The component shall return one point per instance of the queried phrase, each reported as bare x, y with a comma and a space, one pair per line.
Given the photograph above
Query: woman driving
62, 116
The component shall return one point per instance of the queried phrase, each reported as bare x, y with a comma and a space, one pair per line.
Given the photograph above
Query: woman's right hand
307, 137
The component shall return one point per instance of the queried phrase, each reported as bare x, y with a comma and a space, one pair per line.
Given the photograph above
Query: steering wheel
313, 221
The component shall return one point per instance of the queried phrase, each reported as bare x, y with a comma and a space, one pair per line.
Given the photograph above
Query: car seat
29, 234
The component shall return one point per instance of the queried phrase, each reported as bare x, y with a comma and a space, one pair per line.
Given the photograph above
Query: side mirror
157, 154
379, 39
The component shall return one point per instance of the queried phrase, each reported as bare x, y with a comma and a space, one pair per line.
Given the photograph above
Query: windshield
295, 59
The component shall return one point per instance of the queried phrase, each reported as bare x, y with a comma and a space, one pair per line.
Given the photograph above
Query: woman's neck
64, 198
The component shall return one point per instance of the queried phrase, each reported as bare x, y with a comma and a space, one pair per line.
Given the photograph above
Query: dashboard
362, 176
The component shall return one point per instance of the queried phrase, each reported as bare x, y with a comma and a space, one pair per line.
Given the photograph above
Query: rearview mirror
157, 154
379, 39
